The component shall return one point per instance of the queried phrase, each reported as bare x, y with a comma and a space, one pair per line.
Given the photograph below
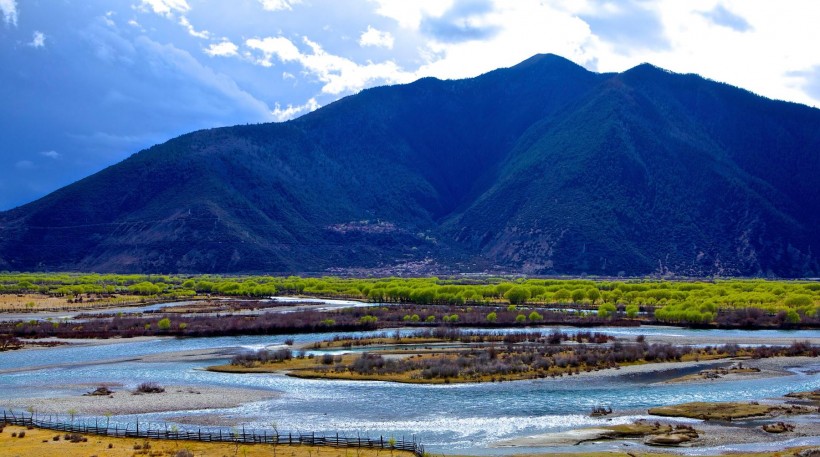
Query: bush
150, 388
632, 310
606, 310
518, 295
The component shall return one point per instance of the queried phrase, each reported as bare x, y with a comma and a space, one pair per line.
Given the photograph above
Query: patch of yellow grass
713, 411
40, 443
39, 302
313, 369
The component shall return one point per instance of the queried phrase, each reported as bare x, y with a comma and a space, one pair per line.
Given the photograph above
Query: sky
86, 83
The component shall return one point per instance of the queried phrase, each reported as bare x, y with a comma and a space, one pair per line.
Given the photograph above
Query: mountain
541, 168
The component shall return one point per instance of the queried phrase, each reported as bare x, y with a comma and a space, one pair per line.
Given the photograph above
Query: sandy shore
175, 398
718, 340
771, 367
711, 435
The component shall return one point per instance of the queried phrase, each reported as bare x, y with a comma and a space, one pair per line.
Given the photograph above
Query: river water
463, 418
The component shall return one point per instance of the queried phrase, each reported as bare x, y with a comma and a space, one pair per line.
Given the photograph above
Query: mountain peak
535, 168
551, 61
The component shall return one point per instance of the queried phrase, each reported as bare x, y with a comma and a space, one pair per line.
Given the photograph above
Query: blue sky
86, 83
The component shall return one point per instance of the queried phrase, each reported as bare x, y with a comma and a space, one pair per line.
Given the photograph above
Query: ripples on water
453, 418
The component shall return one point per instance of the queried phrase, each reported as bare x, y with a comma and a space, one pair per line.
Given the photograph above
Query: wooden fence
238, 436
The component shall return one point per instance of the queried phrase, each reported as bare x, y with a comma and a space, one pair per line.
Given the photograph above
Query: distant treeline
698, 302
363, 318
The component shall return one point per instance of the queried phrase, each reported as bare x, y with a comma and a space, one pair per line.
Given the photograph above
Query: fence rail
243, 436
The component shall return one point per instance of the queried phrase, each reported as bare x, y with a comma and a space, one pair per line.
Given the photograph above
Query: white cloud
293, 111
38, 40
223, 49
521, 29
763, 58
280, 47
50, 154
375, 37
134, 23
24, 165
165, 8
204, 34
409, 14
339, 74
279, 5
9, 10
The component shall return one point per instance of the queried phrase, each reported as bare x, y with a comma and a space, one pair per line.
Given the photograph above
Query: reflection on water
453, 418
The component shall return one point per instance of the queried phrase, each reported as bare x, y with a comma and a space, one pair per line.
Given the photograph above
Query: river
464, 418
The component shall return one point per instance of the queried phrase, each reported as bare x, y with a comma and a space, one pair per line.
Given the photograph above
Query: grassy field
34, 302
41, 443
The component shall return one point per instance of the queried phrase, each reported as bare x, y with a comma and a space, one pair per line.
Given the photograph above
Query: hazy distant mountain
543, 168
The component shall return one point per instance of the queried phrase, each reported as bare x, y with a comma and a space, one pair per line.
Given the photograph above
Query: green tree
562, 295
798, 300
164, 324
593, 295
535, 317
792, 317
606, 310
492, 317
518, 295
632, 310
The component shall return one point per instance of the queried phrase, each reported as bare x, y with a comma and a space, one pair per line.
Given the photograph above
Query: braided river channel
453, 419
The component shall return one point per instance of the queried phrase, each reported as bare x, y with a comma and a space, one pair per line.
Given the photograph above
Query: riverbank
42, 443
722, 425
122, 401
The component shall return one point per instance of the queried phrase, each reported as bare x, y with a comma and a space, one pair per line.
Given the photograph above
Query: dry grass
39, 302
40, 443
713, 411
813, 395
313, 369
386, 341
638, 429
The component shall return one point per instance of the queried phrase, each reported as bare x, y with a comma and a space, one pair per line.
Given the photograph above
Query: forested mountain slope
542, 168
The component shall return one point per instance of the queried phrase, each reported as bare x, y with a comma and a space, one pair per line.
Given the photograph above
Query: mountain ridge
540, 168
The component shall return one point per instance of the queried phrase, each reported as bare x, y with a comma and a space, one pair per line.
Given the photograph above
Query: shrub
164, 324
368, 320
632, 310
150, 388
798, 300
606, 310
